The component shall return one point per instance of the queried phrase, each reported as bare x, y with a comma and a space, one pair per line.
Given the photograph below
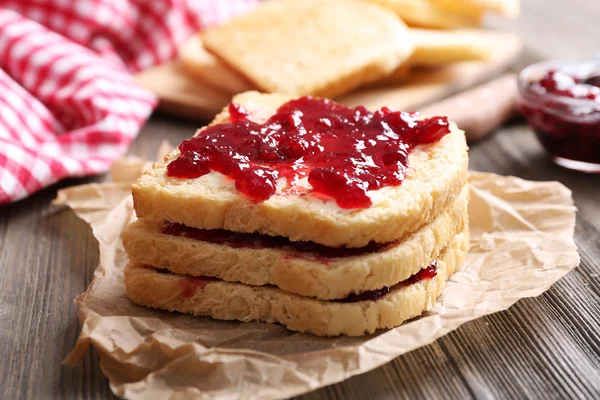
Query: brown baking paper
522, 243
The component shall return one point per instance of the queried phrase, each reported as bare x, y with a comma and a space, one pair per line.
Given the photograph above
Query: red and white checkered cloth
68, 103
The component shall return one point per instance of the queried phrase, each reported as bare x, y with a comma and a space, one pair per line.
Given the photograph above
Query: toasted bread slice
235, 301
312, 47
505, 8
306, 274
203, 65
428, 14
436, 175
433, 47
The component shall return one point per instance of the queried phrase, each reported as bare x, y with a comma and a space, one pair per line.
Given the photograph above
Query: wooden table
547, 347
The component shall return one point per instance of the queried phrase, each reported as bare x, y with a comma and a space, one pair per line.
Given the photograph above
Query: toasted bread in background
235, 301
429, 77
505, 8
303, 274
449, 14
208, 68
437, 174
312, 47
433, 47
438, 48
427, 14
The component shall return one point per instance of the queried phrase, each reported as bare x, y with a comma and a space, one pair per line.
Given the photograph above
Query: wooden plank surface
547, 347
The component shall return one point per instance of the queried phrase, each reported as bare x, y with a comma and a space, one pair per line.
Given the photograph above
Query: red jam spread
342, 151
371, 295
563, 107
191, 284
258, 241
563, 84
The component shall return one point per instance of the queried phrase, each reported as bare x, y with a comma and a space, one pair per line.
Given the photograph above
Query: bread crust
437, 173
235, 301
310, 276
277, 50
206, 67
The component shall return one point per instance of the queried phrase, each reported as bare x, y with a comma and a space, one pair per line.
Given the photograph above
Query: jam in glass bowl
561, 102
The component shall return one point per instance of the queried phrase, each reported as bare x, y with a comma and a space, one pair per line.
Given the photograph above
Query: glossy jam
343, 152
257, 241
563, 84
564, 111
372, 295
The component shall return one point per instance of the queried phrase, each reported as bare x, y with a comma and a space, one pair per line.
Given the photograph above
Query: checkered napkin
68, 103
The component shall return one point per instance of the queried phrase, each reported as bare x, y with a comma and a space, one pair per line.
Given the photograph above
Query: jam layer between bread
259, 241
191, 284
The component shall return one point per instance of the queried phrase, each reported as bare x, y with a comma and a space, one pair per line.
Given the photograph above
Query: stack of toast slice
331, 48
299, 259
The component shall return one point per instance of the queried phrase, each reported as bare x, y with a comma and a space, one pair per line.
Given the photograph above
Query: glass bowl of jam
561, 102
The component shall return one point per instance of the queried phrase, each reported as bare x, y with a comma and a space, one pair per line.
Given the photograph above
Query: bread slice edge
235, 301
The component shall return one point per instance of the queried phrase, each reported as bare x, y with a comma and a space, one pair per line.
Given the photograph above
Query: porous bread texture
235, 301
203, 65
325, 279
428, 14
436, 175
312, 47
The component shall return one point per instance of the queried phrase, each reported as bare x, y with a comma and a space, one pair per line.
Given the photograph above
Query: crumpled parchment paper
522, 243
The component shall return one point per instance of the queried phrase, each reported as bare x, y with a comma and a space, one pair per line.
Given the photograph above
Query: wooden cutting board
186, 96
